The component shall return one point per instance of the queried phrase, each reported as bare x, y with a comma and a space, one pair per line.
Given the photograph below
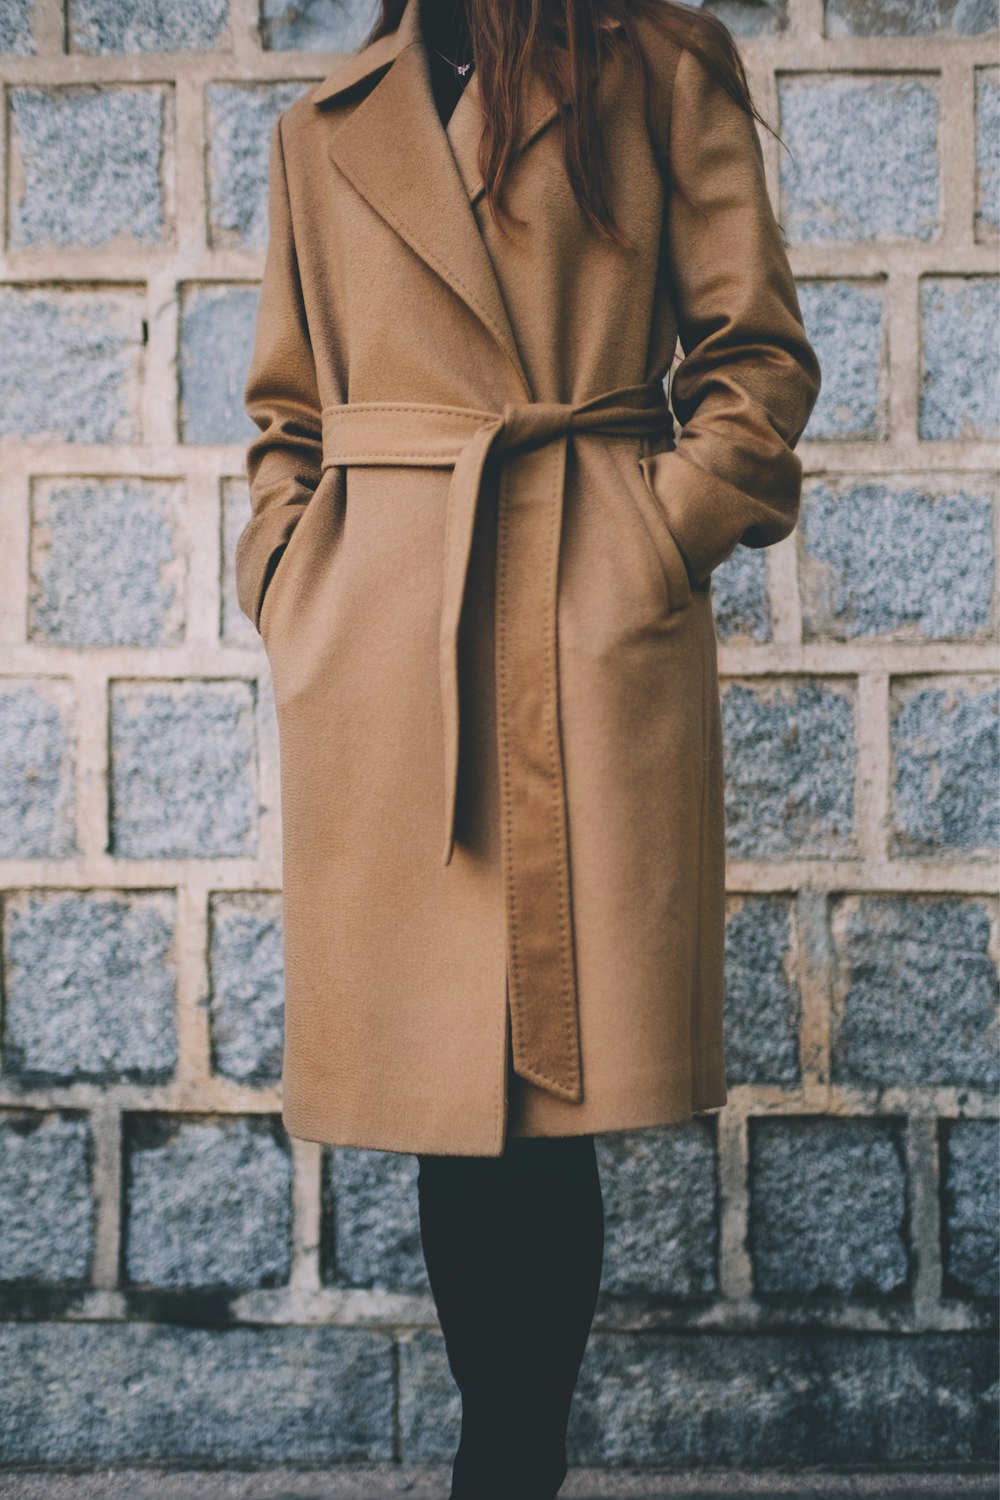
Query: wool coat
480, 559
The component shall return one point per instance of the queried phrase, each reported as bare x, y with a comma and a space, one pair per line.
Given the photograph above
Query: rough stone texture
99, 1393
739, 597
37, 770
987, 153
895, 559
105, 959
828, 1208
863, 163
946, 761
789, 754
241, 120
107, 566
72, 364
105, 147
315, 25
971, 1207
207, 1202
909, 17
370, 1233
235, 629
916, 994
845, 322
103, 26
46, 1204
217, 333
183, 769
763, 1004
16, 34
247, 986
793, 1399
660, 1190
960, 326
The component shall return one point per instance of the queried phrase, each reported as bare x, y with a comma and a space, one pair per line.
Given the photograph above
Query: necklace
460, 68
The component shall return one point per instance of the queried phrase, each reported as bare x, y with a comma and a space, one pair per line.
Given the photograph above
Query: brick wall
810, 1277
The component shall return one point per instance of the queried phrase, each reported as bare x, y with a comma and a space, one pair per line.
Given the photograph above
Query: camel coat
481, 567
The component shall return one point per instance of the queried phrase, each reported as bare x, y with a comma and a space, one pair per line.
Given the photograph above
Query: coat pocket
675, 573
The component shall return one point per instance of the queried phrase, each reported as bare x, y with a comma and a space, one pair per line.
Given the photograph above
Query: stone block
37, 769
218, 325
661, 1208
247, 986
915, 996
370, 1234
183, 770
90, 985
240, 124
208, 1202
960, 334
104, 146
970, 1254
863, 162
828, 1208
46, 1202
107, 563
790, 761
763, 1004
897, 559
108, 26
73, 364
946, 766
846, 323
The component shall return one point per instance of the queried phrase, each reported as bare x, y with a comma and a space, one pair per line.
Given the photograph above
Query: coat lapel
395, 151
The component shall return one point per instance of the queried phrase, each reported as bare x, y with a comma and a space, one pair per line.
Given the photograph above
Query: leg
514, 1247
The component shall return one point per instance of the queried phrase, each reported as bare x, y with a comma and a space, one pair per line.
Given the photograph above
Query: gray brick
241, 118
757, 1400
103, 26
207, 1202
107, 567
246, 1000
37, 770
430, 1406
89, 986
887, 557
739, 597
960, 323
916, 992
763, 1004
863, 162
790, 758
370, 1233
828, 1208
16, 34
845, 320
909, 17
73, 364
89, 1393
746, 18
946, 762
987, 153
104, 146
660, 1190
971, 1207
315, 25
183, 770
235, 628
46, 1206
217, 333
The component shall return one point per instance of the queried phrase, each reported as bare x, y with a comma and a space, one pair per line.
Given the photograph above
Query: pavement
387, 1482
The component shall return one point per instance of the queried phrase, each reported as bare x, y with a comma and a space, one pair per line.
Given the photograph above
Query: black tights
514, 1246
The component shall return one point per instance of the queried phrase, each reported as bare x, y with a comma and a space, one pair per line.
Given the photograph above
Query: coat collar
421, 176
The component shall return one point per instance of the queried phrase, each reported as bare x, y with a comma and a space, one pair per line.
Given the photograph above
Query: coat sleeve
749, 378
284, 462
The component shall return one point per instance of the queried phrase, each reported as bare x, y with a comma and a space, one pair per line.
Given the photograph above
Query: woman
481, 567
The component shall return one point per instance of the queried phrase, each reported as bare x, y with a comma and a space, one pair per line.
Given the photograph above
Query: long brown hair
567, 42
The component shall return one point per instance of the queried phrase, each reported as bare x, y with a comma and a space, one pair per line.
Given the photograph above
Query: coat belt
532, 438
